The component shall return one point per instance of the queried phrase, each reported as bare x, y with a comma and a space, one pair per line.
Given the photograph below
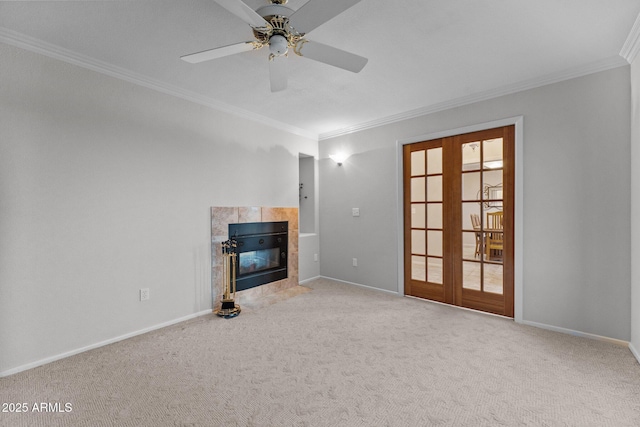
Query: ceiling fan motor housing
279, 35
274, 10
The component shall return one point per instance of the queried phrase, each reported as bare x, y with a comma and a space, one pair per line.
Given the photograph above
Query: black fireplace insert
262, 252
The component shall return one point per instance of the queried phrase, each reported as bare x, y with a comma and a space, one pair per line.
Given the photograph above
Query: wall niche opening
307, 197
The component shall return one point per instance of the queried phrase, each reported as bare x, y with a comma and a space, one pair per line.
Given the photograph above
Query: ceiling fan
283, 29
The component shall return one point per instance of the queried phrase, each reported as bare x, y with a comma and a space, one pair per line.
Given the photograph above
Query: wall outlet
355, 211
315, 257
144, 294
355, 262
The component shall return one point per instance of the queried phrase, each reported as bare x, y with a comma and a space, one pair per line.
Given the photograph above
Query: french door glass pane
418, 268
434, 215
434, 161
417, 189
469, 210
492, 178
418, 242
434, 243
417, 215
492, 153
434, 274
471, 275
493, 236
493, 188
434, 188
493, 219
493, 278
471, 245
471, 186
471, 156
417, 163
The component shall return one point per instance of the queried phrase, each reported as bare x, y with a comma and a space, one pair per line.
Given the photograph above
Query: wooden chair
495, 239
494, 220
475, 222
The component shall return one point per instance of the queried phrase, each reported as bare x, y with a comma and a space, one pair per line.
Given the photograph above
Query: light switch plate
355, 211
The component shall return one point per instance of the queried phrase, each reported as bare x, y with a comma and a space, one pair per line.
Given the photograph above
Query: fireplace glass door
262, 249
255, 261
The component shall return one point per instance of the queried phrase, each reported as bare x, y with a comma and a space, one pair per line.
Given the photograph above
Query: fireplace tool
229, 308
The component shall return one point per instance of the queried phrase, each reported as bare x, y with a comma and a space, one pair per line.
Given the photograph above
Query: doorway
458, 198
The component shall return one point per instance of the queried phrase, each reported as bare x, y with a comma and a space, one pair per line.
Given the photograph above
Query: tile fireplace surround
221, 217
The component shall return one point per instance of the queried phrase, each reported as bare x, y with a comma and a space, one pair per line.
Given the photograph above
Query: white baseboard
577, 333
635, 352
100, 344
360, 285
524, 322
302, 282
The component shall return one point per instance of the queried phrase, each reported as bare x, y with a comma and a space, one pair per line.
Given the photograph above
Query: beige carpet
338, 356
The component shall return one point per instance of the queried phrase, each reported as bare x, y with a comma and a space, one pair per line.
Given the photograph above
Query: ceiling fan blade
331, 55
278, 72
315, 13
244, 12
219, 52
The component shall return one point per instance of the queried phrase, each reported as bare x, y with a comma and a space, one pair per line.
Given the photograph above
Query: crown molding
594, 67
32, 44
631, 46
628, 53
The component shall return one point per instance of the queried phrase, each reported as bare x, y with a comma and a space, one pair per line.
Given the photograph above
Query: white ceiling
423, 54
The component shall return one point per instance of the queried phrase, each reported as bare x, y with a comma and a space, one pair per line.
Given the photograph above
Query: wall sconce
338, 158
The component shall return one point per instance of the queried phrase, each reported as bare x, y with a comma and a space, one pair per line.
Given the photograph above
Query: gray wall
576, 177
308, 264
635, 208
105, 188
309, 242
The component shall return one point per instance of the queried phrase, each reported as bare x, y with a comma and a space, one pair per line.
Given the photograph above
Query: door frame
518, 261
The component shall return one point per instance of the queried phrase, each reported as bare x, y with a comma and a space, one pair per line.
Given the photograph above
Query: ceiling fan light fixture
278, 45
271, 26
